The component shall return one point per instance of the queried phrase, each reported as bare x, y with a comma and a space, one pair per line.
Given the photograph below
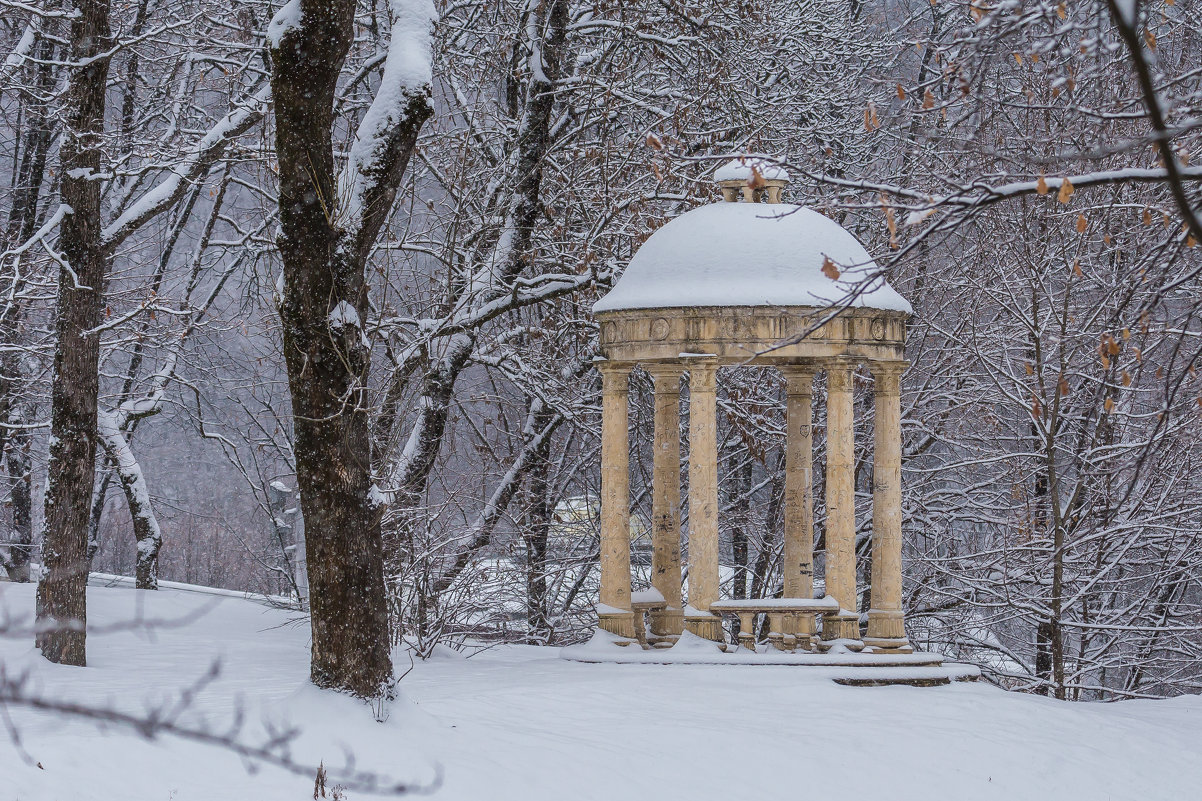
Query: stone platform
850, 668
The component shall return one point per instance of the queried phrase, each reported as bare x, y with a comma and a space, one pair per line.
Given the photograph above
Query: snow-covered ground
519, 723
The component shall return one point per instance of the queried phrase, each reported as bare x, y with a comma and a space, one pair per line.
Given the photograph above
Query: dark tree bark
324, 251
99, 500
19, 465
16, 443
538, 512
36, 139
61, 599
1043, 656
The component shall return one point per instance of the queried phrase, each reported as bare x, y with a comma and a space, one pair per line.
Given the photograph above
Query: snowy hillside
519, 723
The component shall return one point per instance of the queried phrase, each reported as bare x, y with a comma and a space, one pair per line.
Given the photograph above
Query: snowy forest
318, 279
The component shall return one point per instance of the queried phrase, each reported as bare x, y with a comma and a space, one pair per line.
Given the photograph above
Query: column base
887, 632
841, 627
619, 623
706, 626
891, 645
841, 645
886, 624
667, 623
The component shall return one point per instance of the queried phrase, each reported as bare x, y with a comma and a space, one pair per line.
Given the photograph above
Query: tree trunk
61, 599
142, 517
137, 497
761, 586
19, 464
424, 443
539, 508
324, 246
1043, 656
739, 488
22, 223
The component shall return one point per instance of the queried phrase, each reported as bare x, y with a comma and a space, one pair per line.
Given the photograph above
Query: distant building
576, 523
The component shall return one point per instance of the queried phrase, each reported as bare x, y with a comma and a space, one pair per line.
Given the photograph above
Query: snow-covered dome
750, 254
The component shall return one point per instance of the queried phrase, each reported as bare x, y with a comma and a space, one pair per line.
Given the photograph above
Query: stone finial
756, 178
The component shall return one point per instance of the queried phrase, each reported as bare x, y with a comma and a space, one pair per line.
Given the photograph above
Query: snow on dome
740, 170
749, 254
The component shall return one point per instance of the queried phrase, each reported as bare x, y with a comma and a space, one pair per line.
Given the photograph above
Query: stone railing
784, 618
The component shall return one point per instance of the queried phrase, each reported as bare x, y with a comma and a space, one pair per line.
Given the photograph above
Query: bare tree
62, 606
99, 176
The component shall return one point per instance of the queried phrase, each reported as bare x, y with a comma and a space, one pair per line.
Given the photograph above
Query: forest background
1021, 171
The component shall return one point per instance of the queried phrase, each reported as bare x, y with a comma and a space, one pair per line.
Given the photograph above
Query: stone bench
783, 617
642, 602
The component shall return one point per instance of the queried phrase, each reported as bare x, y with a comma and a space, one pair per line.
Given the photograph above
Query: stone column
665, 499
613, 612
703, 500
799, 502
886, 626
840, 505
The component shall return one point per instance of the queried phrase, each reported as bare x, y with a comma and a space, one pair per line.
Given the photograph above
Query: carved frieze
741, 334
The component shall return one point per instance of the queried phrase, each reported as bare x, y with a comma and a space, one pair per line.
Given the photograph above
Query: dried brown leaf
1066, 191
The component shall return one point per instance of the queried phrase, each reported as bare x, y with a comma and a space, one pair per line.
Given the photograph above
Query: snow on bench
642, 602
648, 597
776, 605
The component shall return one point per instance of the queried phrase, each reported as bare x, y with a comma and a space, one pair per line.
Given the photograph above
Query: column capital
612, 365
614, 375
799, 378
839, 375
665, 375
703, 374
887, 377
889, 368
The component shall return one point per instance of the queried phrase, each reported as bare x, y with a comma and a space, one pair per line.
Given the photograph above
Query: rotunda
751, 280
